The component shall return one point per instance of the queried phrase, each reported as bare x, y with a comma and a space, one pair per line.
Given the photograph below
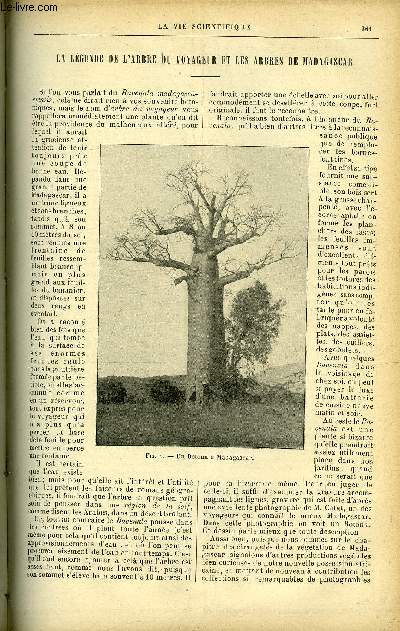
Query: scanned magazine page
204, 295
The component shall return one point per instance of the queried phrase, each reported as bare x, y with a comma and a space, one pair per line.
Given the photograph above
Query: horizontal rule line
200, 37
205, 76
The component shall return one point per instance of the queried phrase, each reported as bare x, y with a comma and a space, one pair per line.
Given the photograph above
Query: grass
274, 424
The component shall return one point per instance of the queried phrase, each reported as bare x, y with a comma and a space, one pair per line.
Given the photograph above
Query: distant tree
111, 390
163, 391
252, 327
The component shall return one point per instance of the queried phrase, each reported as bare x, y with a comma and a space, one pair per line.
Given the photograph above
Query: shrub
234, 386
279, 394
164, 391
137, 398
111, 390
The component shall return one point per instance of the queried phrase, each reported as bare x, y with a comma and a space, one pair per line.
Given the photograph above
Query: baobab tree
214, 216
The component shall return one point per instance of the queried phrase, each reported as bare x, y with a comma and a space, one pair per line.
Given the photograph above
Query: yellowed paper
240, 513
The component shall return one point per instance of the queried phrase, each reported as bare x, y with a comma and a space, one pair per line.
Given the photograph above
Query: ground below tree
272, 418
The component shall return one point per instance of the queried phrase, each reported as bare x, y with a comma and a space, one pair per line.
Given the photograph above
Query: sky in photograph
142, 314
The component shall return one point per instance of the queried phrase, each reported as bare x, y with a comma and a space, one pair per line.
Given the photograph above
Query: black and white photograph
202, 296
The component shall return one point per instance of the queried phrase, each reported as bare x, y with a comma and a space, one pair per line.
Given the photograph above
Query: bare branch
148, 221
200, 190
246, 269
145, 250
181, 279
240, 228
239, 188
186, 181
211, 215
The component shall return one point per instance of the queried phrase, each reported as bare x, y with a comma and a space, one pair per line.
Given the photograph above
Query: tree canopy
252, 326
215, 215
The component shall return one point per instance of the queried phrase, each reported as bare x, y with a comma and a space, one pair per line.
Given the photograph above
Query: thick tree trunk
218, 349
206, 358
